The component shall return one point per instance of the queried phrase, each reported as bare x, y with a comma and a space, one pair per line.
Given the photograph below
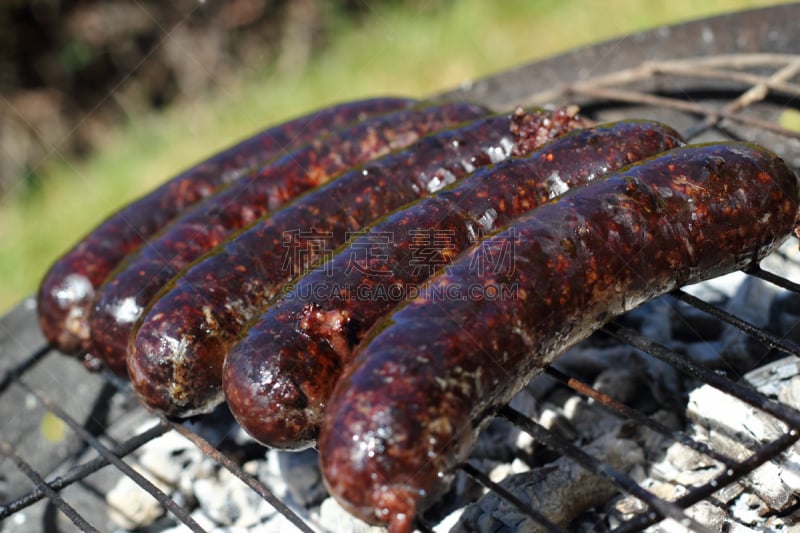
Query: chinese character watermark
431, 249
306, 249
495, 254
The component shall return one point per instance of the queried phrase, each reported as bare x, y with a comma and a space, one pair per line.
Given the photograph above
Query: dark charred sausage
429, 375
122, 297
205, 307
279, 377
67, 290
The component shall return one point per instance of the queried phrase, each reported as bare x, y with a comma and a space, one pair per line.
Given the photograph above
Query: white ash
336, 518
202, 519
303, 476
229, 502
561, 491
739, 428
194, 481
130, 506
500, 440
719, 289
752, 303
735, 430
172, 463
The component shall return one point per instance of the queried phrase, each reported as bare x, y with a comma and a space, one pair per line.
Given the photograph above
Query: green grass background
394, 51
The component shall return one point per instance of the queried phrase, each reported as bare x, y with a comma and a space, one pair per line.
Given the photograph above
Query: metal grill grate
53, 413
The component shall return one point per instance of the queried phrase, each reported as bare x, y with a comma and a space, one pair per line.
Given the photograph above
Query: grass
394, 51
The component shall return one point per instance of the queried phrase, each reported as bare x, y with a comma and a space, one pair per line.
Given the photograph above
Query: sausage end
277, 389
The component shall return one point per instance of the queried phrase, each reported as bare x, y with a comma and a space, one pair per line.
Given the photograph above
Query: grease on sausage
126, 292
204, 309
278, 378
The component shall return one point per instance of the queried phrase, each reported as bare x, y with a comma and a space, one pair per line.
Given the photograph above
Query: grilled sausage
206, 306
430, 374
68, 288
122, 297
279, 377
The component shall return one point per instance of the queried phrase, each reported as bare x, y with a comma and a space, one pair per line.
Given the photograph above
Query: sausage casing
278, 378
123, 296
204, 309
429, 375
67, 290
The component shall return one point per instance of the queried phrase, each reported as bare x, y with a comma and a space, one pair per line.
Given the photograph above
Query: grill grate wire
759, 77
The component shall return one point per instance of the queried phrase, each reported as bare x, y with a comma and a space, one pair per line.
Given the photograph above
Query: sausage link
205, 307
123, 296
408, 409
67, 290
279, 377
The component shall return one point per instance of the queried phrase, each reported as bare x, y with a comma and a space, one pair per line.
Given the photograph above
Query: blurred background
102, 100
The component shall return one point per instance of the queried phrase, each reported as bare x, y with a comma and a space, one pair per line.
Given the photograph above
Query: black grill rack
709, 82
